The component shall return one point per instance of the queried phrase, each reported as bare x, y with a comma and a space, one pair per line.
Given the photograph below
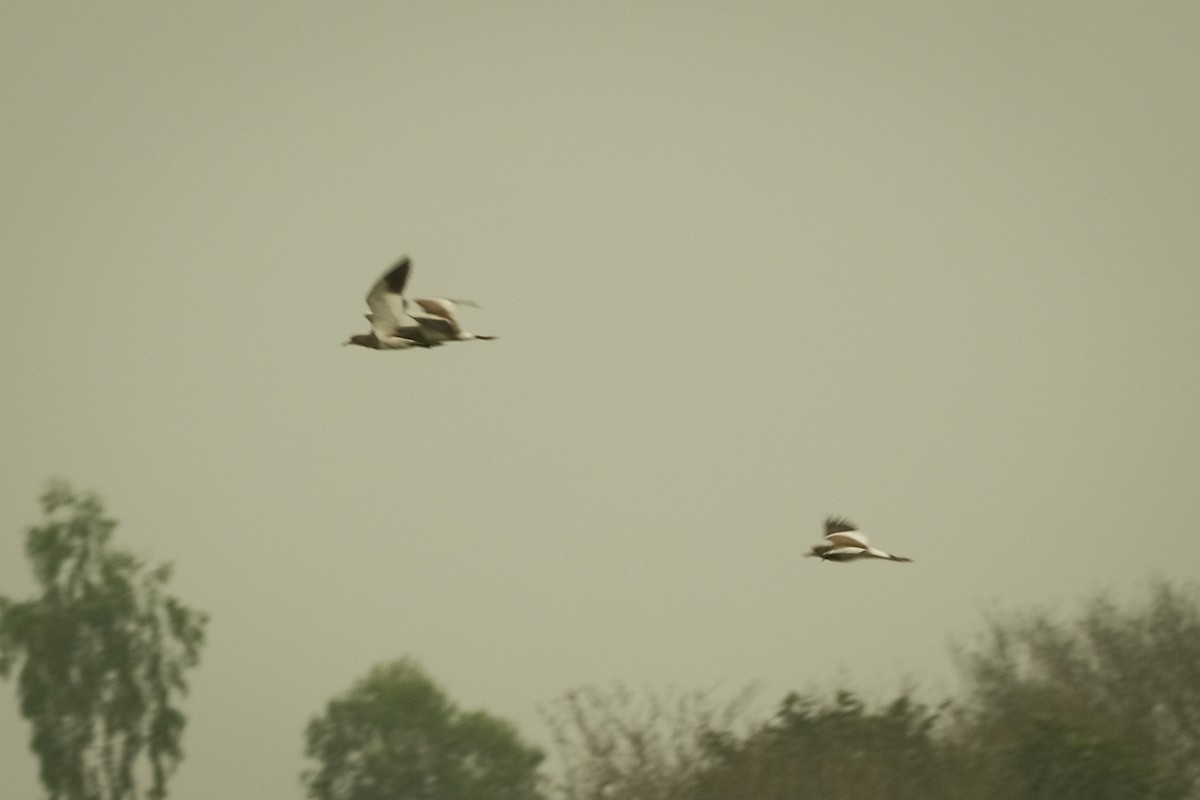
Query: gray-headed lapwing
843, 542
391, 326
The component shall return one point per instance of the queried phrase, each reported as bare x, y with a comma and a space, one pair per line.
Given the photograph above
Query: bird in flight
393, 328
440, 323
843, 542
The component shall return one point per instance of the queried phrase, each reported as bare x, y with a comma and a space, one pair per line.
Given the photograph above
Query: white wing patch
848, 539
387, 311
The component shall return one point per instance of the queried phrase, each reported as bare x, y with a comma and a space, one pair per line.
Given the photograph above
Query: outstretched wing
386, 301
841, 532
437, 329
844, 553
877, 553
838, 525
848, 539
441, 308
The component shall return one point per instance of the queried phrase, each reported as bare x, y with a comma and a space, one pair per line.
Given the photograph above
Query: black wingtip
838, 525
397, 276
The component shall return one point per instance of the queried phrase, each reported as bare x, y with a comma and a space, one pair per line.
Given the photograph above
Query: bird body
373, 341
844, 542
440, 323
393, 328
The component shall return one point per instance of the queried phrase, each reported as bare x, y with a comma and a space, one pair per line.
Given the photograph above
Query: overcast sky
934, 266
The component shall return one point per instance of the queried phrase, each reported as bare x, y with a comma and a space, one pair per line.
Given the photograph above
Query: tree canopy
396, 736
101, 654
1102, 706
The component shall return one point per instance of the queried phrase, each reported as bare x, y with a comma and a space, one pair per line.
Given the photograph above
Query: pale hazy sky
931, 265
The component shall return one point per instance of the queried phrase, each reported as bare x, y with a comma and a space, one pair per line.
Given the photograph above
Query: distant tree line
1101, 706
1105, 706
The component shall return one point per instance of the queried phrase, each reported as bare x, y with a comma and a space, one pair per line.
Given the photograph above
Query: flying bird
843, 542
440, 323
391, 326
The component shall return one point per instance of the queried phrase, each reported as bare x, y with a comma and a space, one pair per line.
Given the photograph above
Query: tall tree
1107, 704
396, 736
100, 653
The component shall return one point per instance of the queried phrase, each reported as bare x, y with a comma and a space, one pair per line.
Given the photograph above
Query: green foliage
1105, 706
837, 749
1057, 759
396, 736
101, 651
613, 742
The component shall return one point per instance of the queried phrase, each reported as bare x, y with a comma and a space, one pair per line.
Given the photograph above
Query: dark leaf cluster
396, 736
99, 655
1105, 706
